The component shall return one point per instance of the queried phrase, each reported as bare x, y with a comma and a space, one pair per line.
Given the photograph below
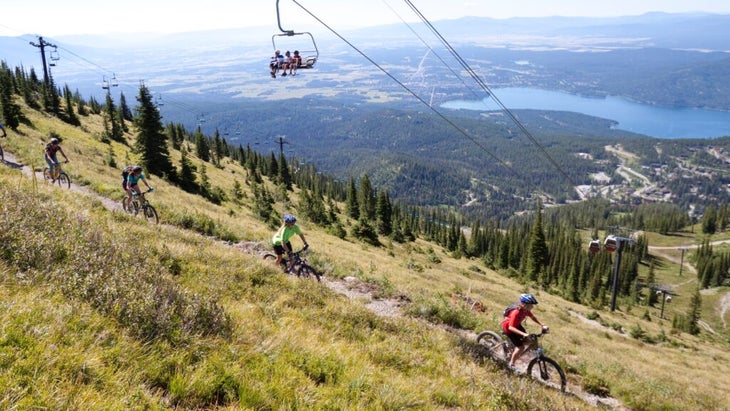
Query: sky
66, 17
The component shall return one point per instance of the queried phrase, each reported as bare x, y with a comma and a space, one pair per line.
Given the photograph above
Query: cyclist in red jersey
513, 329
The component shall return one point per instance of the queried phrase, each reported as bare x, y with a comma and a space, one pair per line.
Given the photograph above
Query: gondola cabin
594, 246
611, 243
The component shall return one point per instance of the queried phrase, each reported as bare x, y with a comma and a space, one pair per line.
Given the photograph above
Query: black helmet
137, 169
528, 299
54, 140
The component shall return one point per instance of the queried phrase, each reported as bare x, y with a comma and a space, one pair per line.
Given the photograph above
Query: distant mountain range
232, 63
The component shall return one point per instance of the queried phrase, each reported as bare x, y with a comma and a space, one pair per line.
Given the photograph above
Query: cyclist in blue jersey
133, 182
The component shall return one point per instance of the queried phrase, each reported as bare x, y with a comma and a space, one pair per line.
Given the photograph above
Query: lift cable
438, 113
486, 88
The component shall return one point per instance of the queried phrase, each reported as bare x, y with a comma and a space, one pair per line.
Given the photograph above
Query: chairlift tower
42, 44
612, 243
280, 140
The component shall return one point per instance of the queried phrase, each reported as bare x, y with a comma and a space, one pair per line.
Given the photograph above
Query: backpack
510, 308
126, 171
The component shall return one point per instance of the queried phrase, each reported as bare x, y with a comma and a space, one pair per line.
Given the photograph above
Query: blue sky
62, 17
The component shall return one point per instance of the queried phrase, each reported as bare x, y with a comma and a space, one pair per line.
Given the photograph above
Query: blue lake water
660, 122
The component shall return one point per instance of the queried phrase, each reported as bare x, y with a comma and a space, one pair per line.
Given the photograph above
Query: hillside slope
121, 314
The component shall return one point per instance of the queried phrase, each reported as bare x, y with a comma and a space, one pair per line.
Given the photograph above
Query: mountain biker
282, 236
125, 186
133, 180
50, 153
513, 329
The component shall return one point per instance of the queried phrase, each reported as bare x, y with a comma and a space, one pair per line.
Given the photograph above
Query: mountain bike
60, 176
298, 265
140, 203
540, 367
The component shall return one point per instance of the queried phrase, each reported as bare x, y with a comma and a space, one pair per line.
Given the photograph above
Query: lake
660, 122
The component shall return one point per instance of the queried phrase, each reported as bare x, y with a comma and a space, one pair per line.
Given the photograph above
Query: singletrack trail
11, 162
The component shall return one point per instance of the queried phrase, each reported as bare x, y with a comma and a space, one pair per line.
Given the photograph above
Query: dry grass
297, 344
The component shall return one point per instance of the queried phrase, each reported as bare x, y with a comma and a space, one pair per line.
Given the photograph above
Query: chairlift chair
309, 56
53, 55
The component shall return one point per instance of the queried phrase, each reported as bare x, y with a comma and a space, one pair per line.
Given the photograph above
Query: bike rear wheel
548, 372
150, 214
495, 344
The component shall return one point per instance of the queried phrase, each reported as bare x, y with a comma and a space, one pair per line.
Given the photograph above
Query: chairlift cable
425, 43
486, 88
438, 113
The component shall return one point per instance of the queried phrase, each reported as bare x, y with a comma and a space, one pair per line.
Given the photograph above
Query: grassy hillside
104, 311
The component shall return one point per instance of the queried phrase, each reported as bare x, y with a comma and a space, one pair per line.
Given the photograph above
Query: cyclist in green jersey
282, 236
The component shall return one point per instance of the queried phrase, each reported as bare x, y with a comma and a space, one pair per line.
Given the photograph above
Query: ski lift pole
617, 264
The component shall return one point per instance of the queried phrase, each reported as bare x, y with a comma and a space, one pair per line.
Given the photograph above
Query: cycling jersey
132, 179
515, 318
285, 233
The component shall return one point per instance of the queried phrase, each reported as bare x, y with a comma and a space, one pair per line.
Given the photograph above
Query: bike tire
269, 256
306, 270
64, 180
547, 371
150, 214
47, 174
496, 345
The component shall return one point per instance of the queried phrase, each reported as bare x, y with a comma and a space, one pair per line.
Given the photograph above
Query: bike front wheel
64, 180
150, 214
305, 270
495, 344
548, 372
47, 174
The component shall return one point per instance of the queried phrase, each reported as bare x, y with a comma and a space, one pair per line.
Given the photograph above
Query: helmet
137, 169
528, 299
54, 140
288, 218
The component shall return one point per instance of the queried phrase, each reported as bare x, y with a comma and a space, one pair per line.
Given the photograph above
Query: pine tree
202, 147
351, 203
694, 313
284, 177
384, 211
115, 130
187, 173
650, 279
124, 108
709, 220
71, 116
11, 112
151, 140
537, 255
217, 148
204, 184
366, 199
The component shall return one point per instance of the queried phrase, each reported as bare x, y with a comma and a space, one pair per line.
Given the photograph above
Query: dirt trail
12, 162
